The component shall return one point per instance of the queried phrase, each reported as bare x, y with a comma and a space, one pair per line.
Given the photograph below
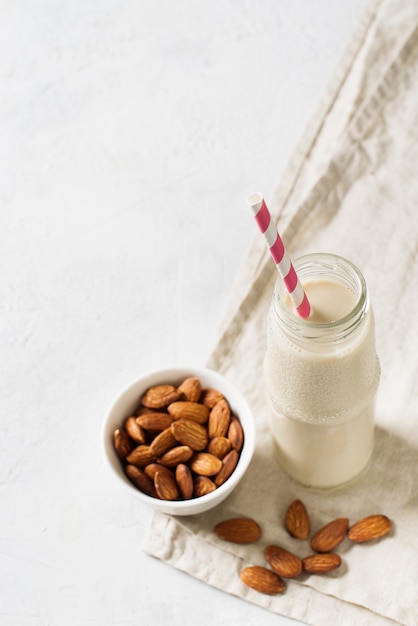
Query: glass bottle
322, 374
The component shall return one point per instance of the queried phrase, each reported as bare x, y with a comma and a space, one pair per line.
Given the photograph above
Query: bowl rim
170, 375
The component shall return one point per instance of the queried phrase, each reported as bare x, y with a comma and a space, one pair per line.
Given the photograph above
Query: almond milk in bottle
322, 374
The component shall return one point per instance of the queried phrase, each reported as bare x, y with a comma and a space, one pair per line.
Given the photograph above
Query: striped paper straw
279, 254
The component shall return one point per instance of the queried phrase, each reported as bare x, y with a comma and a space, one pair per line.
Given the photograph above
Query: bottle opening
338, 295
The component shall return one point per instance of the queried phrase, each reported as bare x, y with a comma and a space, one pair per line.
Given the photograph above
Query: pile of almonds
285, 564
183, 442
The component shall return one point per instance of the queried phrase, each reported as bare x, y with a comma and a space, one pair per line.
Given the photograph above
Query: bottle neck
330, 269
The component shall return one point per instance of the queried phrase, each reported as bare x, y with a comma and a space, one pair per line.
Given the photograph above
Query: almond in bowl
179, 439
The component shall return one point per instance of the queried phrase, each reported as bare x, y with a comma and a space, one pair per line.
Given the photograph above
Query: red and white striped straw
281, 259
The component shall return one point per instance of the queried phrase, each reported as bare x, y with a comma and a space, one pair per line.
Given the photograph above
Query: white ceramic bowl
128, 401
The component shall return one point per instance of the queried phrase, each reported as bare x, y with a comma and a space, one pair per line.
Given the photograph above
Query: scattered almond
321, 563
238, 530
297, 520
369, 528
330, 536
262, 579
283, 562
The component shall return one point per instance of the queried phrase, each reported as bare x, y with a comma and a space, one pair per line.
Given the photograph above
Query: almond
152, 468
368, 528
141, 456
321, 563
262, 579
209, 397
134, 430
297, 520
229, 463
184, 481
122, 443
166, 486
159, 396
236, 434
205, 464
330, 535
190, 433
203, 485
238, 530
284, 563
190, 389
219, 419
189, 411
142, 410
139, 478
155, 421
163, 442
168, 434
219, 446
179, 454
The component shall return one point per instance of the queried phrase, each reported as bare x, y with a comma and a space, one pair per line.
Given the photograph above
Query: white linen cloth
351, 188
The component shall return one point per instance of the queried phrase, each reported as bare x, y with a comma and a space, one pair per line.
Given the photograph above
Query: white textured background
130, 134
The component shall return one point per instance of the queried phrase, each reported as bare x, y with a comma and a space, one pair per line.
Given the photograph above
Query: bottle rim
337, 268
